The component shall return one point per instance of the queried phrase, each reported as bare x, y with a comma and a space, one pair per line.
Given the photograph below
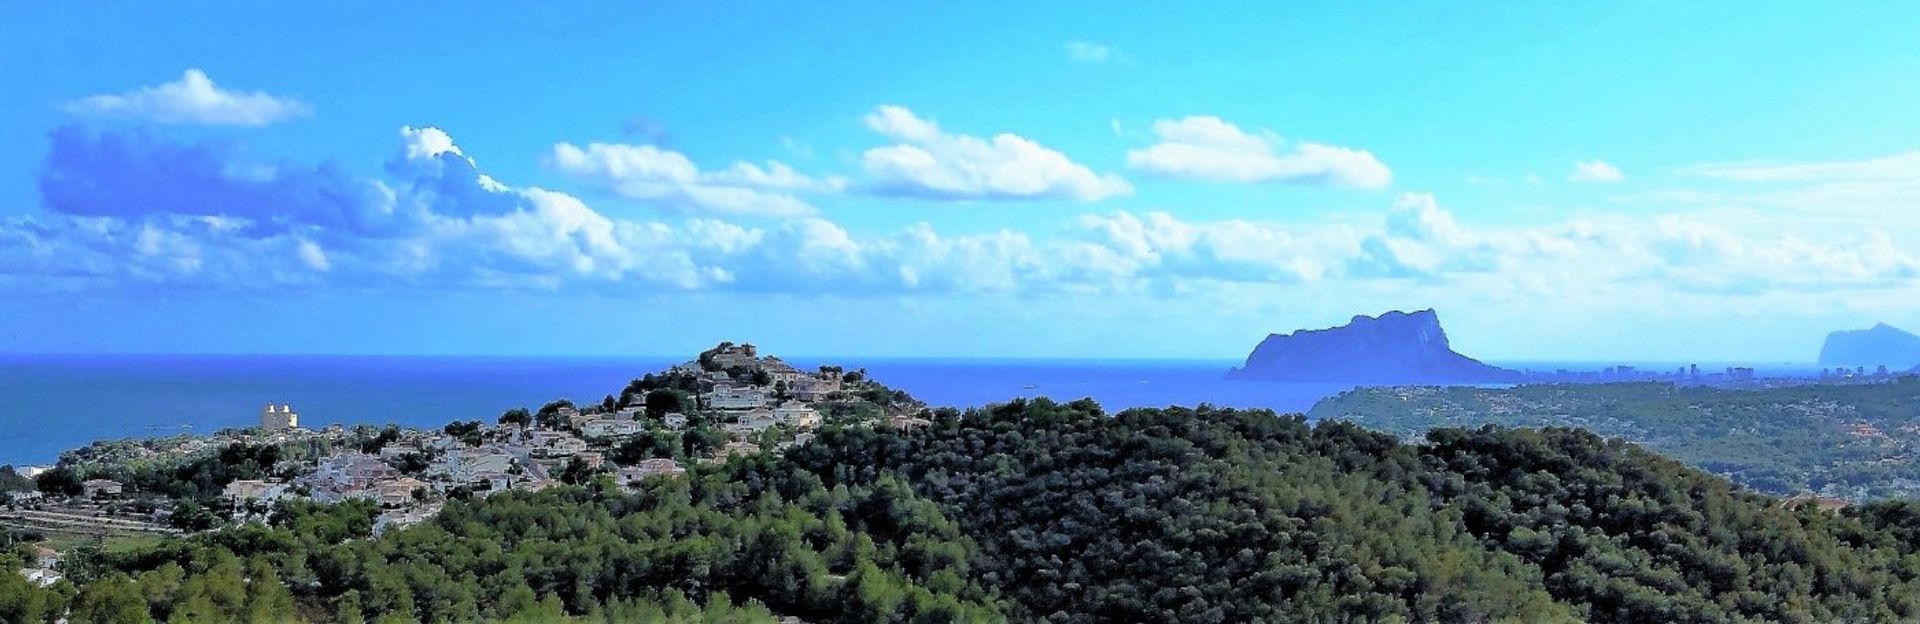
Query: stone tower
276, 418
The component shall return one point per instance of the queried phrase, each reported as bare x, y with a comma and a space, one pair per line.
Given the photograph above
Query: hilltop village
729, 401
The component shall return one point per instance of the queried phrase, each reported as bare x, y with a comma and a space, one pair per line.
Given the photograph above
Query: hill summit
1879, 345
1396, 347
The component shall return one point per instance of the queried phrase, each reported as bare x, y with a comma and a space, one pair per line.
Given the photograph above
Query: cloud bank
127, 208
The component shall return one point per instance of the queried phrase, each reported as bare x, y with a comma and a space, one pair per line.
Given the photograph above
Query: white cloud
1208, 148
313, 256
1882, 190
1595, 171
193, 99
672, 180
931, 164
1902, 166
1089, 52
437, 221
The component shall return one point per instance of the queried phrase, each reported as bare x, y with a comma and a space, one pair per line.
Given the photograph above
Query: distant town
729, 401
1725, 377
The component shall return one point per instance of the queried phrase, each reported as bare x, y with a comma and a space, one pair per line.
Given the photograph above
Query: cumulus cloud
193, 99
1208, 148
929, 163
1090, 52
670, 179
1595, 171
124, 207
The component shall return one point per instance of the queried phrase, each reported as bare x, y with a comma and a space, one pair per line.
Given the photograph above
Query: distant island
1393, 348
1880, 345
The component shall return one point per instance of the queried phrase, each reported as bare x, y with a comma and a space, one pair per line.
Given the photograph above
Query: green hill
1038, 511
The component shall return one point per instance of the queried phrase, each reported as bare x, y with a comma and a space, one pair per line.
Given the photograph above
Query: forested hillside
1038, 511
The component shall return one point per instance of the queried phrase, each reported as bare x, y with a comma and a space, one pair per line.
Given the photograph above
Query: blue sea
53, 403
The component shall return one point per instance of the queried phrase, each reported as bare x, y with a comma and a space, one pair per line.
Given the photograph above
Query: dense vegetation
746, 539
1228, 516
1038, 511
1852, 441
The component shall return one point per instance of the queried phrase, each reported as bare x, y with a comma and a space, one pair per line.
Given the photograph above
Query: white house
610, 429
674, 420
729, 398
44, 577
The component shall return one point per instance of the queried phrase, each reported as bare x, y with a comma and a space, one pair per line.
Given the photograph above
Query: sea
52, 403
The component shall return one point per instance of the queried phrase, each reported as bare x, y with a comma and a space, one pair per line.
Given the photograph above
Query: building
797, 414
732, 398
462, 465
814, 388
278, 418
402, 518
101, 488
729, 356
352, 471
394, 452
44, 577
254, 490
612, 429
398, 492
491, 481
904, 423
556, 444
829, 379
649, 468
44, 557
781, 372
578, 419
758, 419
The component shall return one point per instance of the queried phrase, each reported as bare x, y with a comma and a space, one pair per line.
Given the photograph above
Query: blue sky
1711, 181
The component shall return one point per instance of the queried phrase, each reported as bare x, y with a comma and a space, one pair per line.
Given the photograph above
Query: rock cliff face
1396, 347
1881, 344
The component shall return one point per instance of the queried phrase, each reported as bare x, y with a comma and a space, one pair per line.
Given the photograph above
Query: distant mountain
1881, 344
1396, 347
